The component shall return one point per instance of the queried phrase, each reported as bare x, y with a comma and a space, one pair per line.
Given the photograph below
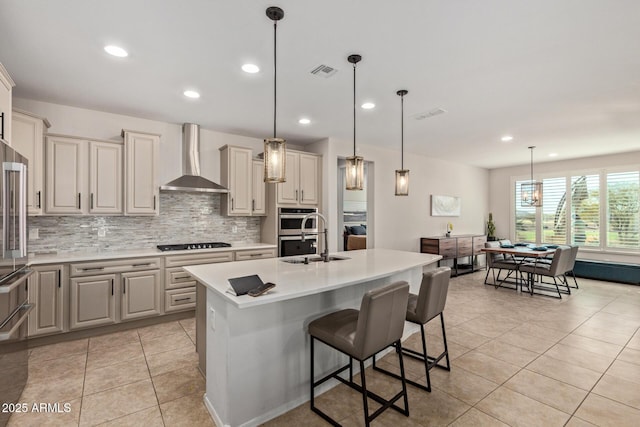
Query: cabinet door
141, 188
92, 301
309, 167
105, 178
46, 291
259, 201
288, 190
27, 134
140, 294
66, 175
240, 181
6, 87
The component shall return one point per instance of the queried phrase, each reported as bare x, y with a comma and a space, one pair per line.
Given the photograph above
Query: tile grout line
84, 379
155, 392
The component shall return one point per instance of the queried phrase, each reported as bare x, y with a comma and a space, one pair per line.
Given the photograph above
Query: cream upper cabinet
6, 88
83, 177
303, 178
235, 174
258, 198
28, 139
66, 160
105, 178
140, 173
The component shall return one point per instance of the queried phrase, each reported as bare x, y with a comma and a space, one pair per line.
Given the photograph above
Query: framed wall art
445, 205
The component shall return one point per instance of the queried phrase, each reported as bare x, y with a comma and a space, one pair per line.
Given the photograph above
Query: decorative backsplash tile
184, 218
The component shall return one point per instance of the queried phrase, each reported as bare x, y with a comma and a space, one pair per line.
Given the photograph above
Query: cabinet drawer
194, 259
114, 266
464, 246
180, 299
176, 277
478, 244
429, 246
255, 254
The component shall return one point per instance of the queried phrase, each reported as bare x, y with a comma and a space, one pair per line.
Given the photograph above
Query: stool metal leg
365, 402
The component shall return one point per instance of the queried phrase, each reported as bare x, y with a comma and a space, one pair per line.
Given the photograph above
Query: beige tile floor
517, 360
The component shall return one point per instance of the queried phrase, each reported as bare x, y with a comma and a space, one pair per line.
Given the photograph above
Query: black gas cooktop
187, 246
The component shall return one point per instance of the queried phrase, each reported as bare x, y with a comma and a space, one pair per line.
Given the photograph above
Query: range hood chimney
191, 180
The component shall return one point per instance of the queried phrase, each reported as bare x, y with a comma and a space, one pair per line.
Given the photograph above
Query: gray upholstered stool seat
422, 308
360, 334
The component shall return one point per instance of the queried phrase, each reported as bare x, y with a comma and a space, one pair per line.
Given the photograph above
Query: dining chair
555, 270
500, 262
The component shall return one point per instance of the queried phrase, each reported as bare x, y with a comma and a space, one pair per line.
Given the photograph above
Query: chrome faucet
325, 253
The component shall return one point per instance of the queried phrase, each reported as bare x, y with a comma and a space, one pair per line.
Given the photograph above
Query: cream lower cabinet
140, 294
46, 290
113, 291
92, 301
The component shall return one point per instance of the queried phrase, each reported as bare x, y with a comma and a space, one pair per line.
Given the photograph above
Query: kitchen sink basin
314, 258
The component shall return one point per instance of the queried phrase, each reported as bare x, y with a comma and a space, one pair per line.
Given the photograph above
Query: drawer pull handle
183, 299
92, 269
182, 277
256, 254
141, 265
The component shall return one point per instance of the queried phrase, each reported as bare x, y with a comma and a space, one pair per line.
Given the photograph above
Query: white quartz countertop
297, 280
88, 255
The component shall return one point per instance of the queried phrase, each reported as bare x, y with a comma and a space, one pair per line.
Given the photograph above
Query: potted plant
491, 229
449, 229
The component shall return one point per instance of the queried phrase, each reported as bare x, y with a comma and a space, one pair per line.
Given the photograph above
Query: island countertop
298, 280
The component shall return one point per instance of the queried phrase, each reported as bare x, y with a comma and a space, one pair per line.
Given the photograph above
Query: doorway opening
355, 211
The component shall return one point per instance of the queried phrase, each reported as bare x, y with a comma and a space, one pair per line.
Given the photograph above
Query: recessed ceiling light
191, 94
368, 105
304, 121
506, 138
116, 51
250, 68
553, 154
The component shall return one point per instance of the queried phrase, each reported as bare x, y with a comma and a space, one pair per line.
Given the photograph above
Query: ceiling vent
426, 115
323, 71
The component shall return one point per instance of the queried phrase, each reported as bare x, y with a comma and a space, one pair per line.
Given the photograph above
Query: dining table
522, 254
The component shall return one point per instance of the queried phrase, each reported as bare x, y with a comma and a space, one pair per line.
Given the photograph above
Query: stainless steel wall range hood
191, 179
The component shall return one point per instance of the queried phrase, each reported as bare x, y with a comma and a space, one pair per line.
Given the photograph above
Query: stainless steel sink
314, 258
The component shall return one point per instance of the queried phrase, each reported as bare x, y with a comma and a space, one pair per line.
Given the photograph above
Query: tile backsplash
184, 218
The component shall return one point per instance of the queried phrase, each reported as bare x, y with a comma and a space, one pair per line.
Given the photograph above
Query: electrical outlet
102, 232
212, 318
234, 229
34, 233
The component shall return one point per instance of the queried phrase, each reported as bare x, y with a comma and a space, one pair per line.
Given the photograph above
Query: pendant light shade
402, 174
275, 149
354, 178
531, 192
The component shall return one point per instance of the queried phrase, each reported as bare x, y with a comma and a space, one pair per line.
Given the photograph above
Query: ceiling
561, 75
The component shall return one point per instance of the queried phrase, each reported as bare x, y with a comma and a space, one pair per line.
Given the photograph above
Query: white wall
100, 125
500, 184
399, 222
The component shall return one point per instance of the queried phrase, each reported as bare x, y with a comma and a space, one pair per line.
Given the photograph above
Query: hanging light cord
275, 75
354, 110
402, 132
531, 148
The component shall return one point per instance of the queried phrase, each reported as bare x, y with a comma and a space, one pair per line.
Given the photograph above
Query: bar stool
361, 334
421, 309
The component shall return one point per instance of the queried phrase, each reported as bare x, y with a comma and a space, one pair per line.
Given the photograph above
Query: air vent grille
431, 113
323, 71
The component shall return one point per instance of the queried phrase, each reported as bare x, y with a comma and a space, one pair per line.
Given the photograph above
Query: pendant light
402, 174
355, 164
275, 150
531, 192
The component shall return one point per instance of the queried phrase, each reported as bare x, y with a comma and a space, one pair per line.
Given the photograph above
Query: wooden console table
456, 247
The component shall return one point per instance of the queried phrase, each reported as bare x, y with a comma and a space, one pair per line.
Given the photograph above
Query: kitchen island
257, 349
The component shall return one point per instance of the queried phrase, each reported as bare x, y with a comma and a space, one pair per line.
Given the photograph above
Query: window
591, 210
623, 218
525, 219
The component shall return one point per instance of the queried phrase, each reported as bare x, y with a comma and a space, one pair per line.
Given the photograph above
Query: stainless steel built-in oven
14, 303
290, 221
290, 240
293, 245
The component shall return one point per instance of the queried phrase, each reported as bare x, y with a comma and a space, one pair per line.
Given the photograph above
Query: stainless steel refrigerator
14, 302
